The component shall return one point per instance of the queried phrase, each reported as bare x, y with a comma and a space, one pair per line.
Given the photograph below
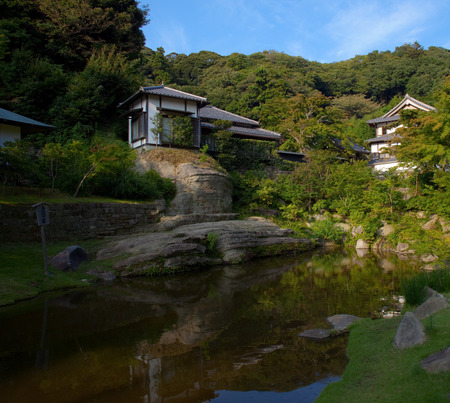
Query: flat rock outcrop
201, 244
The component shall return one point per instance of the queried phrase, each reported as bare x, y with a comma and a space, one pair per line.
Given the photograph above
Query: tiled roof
354, 146
29, 125
173, 93
409, 100
212, 113
393, 116
255, 132
384, 137
162, 90
389, 119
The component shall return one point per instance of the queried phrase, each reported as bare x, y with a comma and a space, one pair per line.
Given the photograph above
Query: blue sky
318, 30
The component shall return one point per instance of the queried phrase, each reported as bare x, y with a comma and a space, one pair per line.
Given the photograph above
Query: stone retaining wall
76, 220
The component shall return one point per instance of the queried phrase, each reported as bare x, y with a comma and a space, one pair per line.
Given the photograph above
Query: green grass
22, 270
378, 372
24, 195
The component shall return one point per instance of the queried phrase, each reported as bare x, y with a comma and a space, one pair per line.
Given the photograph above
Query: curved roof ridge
409, 100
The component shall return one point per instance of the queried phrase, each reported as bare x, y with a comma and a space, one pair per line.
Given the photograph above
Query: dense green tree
425, 137
92, 97
30, 84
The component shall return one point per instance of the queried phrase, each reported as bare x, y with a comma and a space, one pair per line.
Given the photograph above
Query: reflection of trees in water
184, 337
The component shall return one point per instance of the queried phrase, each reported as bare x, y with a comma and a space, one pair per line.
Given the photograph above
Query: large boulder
431, 223
201, 189
69, 259
410, 332
362, 244
437, 362
430, 306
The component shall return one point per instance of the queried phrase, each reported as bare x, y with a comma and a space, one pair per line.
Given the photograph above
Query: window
137, 127
167, 132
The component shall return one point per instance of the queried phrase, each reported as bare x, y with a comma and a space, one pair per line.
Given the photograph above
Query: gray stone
344, 226
428, 258
385, 230
357, 230
69, 259
342, 321
402, 247
106, 276
410, 332
431, 293
362, 244
445, 225
200, 189
431, 223
315, 334
437, 362
430, 307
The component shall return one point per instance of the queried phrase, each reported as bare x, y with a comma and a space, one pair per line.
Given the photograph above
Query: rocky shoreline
197, 245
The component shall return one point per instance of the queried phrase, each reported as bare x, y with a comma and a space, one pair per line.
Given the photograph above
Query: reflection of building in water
162, 380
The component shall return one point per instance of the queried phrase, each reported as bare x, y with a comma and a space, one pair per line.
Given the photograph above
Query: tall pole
44, 249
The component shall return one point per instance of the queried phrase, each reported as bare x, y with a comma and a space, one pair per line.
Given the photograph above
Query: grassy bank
378, 372
22, 270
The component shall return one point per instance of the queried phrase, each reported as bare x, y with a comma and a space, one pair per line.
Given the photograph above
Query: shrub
325, 229
413, 287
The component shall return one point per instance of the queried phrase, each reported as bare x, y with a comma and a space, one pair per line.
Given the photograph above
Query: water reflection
196, 337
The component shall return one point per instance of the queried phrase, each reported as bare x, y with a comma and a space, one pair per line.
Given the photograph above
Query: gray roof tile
173, 93
382, 119
210, 112
255, 132
384, 137
30, 125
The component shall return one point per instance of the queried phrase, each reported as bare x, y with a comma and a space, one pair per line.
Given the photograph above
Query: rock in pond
315, 334
342, 321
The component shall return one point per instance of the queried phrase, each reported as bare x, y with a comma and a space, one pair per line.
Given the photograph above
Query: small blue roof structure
27, 125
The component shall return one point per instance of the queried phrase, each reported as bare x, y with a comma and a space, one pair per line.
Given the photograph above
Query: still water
227, 334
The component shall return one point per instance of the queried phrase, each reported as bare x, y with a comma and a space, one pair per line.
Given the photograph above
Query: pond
224, 334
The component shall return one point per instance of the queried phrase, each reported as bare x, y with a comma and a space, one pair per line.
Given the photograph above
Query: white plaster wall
173, 104
385, 167
9, 133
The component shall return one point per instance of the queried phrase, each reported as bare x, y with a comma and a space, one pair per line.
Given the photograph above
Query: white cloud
173, 37
365, 26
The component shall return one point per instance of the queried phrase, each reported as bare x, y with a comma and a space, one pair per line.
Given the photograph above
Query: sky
325, 31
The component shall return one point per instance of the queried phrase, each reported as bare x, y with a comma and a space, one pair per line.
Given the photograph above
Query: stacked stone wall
73, 221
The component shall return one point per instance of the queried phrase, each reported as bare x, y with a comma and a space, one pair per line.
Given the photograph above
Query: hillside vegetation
60, 71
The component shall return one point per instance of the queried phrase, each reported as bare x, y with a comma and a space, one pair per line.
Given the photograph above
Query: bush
325, 229
413, 287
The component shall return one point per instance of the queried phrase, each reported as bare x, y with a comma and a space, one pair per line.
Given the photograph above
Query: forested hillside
69, 63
